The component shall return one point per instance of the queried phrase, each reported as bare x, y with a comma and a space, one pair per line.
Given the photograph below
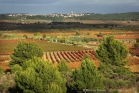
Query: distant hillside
131, 16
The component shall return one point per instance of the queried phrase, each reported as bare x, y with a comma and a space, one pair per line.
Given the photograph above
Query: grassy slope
9, 45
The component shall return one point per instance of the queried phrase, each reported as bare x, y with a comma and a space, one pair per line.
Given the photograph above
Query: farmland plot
69, 56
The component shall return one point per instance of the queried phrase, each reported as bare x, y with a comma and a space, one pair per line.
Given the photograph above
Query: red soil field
134, 51
133, 63
4, 58
5, 66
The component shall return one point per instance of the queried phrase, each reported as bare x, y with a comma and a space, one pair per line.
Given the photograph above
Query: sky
68, 6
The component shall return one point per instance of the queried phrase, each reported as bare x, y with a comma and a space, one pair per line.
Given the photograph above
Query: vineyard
69, 56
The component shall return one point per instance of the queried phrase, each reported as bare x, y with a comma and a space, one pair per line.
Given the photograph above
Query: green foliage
1, 34
121, 84
25, 36
54, 88
86, 77
1, 70
77, 33
62, 39
115, 91
25, 51
117, 76
39, 76
65, 71
111, 51
40, 17
10, 36
44, 36
16, 68
137, 40
109, 83
136, 45
106, 70
36, 34
116, 16
63, 67
99, 35
6, 36
76, 40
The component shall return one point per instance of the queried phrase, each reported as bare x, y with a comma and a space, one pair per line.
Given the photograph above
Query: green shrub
6, 82
44, 36
63, 67
121, 84
25, 36
136, 45
1, 70
109, 83
129, 84
115, 91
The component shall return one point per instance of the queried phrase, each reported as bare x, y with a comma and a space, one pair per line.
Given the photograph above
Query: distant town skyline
68, 6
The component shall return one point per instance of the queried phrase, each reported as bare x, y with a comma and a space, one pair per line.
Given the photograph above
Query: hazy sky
67, 6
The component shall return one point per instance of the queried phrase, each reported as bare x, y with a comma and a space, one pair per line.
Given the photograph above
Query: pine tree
111, 51
86, 77
25, 51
